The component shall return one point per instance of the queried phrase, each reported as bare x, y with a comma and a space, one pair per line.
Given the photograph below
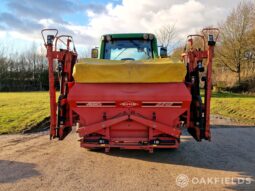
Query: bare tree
166, 36
3, 65
235, 38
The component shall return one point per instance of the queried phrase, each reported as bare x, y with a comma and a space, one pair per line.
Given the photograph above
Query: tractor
130, 94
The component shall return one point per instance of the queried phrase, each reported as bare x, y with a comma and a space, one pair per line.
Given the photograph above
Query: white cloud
188, 16
149, 15
46, 22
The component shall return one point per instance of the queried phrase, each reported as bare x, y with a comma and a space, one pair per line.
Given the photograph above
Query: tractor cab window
128, 49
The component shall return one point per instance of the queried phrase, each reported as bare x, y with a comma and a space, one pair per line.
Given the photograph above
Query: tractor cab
134, 46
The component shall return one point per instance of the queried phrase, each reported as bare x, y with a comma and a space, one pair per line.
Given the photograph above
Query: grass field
19, 111
238, 107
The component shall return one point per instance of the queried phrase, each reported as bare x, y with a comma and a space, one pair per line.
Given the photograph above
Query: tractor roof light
145, 36
108, 38
151, 36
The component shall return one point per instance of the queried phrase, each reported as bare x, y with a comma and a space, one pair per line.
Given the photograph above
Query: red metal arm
213, 34
52, 90
60, 124
200, 112
208, 93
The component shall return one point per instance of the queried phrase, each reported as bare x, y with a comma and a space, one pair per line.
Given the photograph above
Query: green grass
239, 107
19, 111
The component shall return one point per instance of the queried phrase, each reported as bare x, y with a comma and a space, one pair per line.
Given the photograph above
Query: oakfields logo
183, 180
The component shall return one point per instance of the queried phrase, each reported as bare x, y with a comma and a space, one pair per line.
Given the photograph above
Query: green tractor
134, 46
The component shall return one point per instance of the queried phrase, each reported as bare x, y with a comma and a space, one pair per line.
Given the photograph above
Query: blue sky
80, 18
86, 20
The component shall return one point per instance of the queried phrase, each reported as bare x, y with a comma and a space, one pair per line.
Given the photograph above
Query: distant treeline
26, 71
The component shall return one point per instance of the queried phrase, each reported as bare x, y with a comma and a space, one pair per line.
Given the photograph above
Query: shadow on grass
44, 125
228, 95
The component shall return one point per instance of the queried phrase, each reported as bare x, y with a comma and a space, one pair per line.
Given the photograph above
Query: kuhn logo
128, 104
